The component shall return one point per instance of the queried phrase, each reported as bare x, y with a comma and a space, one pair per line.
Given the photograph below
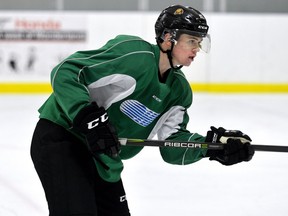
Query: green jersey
122, 76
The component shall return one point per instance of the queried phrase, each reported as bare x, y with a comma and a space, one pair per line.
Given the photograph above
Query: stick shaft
192, 144
270, 148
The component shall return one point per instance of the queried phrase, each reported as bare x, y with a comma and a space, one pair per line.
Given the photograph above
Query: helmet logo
179, 11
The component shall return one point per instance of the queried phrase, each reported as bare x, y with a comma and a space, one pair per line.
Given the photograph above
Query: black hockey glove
236, 150
100, 134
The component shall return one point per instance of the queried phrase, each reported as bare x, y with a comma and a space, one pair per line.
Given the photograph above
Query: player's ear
167, 40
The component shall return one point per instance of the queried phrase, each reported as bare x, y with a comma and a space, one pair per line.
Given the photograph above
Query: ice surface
153, 187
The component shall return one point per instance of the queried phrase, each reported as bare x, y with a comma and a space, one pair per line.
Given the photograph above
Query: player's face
185, 49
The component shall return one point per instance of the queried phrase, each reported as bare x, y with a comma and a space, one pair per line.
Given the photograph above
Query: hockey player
128, 88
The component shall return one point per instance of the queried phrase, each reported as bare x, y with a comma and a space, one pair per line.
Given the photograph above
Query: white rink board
246, 48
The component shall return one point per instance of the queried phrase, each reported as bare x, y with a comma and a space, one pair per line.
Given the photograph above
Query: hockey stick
193, 144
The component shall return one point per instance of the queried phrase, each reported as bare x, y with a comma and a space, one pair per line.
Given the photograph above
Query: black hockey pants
69, 176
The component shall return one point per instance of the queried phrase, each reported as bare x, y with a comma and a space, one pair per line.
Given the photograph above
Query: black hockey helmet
177, 18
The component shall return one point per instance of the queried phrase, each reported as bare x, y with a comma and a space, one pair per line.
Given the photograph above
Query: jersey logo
138, 112
156, 98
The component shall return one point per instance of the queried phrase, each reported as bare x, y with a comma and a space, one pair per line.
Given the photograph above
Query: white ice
153, 187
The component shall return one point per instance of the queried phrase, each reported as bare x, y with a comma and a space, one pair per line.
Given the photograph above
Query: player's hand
237, 146
100, 134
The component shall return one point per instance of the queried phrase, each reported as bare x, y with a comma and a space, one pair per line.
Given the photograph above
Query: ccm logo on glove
96, 121
100, 135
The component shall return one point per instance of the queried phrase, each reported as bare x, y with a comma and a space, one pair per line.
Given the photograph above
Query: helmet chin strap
169, 55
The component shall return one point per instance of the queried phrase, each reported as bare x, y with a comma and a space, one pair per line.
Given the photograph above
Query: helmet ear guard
172, 32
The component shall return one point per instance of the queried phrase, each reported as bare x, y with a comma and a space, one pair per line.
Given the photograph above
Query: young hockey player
128, 88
